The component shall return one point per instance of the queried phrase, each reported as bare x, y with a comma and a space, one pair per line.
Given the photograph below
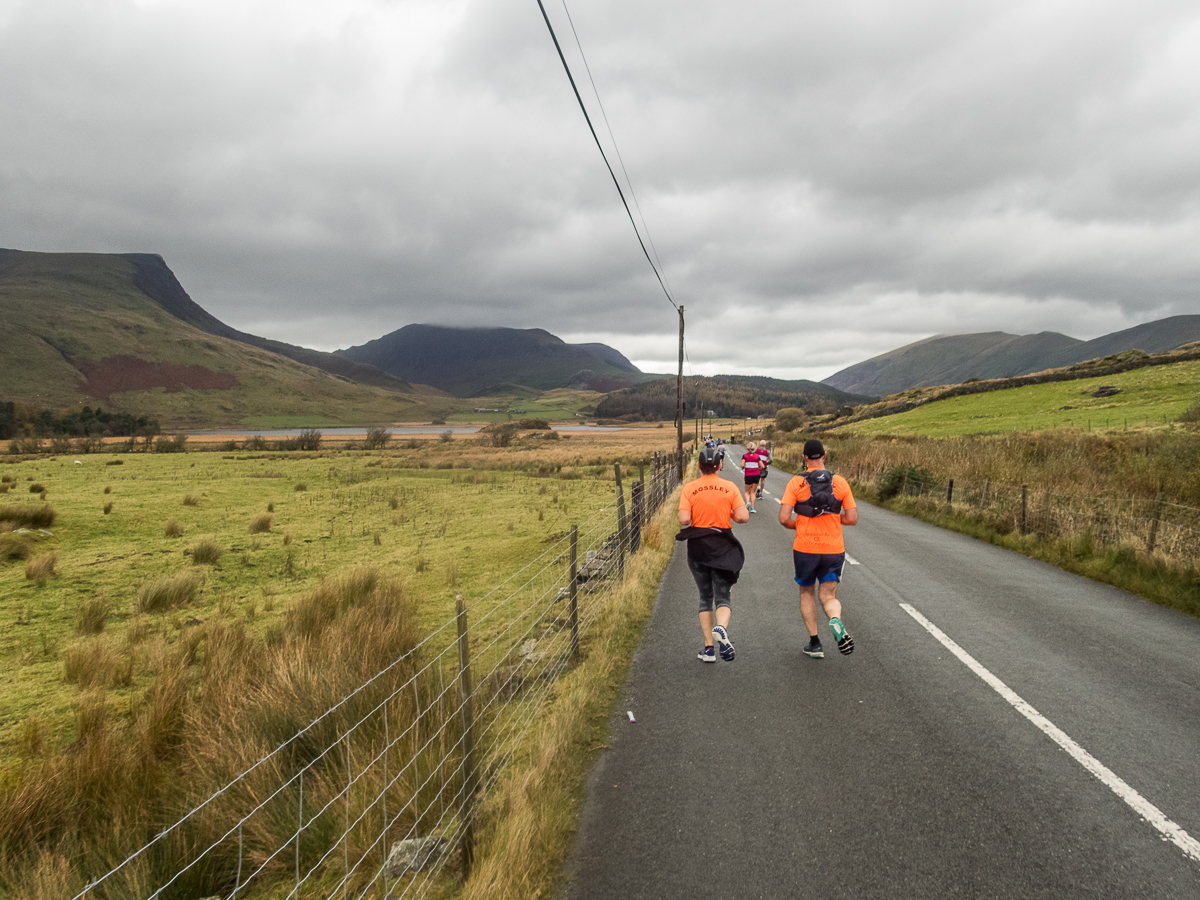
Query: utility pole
679, 401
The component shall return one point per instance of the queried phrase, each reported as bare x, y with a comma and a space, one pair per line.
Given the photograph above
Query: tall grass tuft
92, 614
172, 528
14, 546
89, 664
206, 553
40, 568
24, 517
168, 592
191, 500
261, 524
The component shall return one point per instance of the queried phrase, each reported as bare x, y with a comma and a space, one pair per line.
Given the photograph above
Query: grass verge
1123, 567
528, 819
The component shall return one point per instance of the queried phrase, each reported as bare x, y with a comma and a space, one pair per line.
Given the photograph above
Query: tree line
21, 420
726, 396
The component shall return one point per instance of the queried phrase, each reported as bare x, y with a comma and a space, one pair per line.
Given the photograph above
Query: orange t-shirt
822, 534
711, 499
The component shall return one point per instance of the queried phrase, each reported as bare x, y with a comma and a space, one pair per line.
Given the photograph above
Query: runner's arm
685, 517
850, 516
785, 517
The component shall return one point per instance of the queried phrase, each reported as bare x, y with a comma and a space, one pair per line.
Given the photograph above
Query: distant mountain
471, 362
736, 396
119, 331
156, 281
1153, 337
953, 359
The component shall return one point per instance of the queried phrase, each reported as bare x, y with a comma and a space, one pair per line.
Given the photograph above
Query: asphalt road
1050, 749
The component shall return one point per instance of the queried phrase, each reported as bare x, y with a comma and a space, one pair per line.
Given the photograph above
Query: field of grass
277, 525
1148, 398
561, 405
171, 591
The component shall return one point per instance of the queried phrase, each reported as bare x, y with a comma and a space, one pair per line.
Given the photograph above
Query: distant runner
751, 471
823, 504
764, 461
715, 557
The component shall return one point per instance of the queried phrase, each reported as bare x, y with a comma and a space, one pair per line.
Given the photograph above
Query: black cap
813, 449
710, 458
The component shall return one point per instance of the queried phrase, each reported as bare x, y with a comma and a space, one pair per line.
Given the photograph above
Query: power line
604, 156
612, 137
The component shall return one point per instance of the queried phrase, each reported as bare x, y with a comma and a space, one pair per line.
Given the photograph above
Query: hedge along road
1002, 729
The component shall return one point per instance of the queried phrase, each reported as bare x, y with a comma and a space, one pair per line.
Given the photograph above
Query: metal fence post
468, 737
573, 589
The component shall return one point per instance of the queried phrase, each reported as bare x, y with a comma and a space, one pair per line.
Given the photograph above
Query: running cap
710, 459
813, 449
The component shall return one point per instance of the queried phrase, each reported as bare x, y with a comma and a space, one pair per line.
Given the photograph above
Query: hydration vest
821, 499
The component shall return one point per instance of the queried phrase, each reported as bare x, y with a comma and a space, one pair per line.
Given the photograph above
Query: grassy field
273, 524
171, 590
1148, 398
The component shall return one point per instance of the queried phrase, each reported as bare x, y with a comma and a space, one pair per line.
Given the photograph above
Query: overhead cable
612, 137
603, 155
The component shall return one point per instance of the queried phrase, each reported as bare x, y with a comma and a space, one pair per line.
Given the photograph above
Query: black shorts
814, 567
751, 479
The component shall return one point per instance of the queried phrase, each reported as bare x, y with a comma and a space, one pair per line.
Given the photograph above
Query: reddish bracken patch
115, 374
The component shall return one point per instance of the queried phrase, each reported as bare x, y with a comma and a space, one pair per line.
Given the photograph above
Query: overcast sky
823, 182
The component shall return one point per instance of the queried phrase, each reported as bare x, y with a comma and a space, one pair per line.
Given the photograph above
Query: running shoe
814, 649
845, 643
707, 655
724, 644
753, 510
758, 496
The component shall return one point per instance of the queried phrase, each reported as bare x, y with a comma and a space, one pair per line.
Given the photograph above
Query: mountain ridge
955, 359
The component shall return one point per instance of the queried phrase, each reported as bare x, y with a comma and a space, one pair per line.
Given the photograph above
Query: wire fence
382, 805
1169, 530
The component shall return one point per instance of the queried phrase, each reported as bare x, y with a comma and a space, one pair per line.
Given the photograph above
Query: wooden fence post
622, 524
573, 589
470, 779
1158, 505
637, 510
950, 492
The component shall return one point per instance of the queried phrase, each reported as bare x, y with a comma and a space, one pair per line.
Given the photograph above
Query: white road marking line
1143, 807
850, 559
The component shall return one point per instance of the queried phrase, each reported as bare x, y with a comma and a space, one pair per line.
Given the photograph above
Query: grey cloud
823, 182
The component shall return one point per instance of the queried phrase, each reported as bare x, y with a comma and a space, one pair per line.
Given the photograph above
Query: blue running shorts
814, 567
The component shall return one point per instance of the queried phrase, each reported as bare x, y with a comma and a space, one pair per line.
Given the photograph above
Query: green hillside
1146, 398
77, 330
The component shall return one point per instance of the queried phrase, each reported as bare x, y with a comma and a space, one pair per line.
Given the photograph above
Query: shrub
310, 439
173, 529
40, 568
206, 553
257, 443
167, 592
261, 524
533, 424
789, 419
377, 439
896, 479
92, 614
36, 488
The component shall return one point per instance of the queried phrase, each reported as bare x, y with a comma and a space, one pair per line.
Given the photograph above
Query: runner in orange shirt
706, 508
822, 503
